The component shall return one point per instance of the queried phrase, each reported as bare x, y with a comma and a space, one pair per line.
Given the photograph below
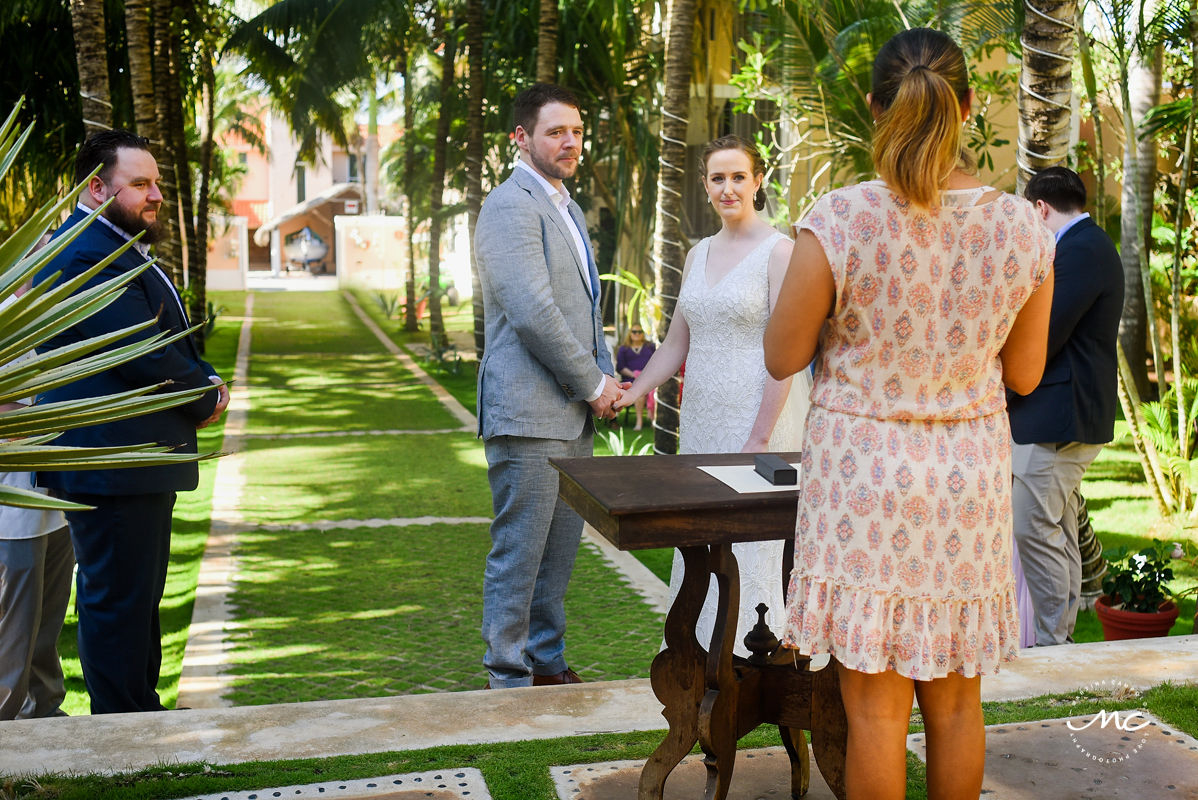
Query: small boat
305, 249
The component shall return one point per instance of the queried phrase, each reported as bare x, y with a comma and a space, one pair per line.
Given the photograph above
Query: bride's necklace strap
963, 198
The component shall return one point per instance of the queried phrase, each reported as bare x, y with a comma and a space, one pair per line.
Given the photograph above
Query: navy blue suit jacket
1077, 397
147, 297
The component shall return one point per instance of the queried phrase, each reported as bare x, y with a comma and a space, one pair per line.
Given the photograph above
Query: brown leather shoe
563, 677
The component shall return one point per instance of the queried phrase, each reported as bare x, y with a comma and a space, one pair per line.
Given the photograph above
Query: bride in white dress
729, 403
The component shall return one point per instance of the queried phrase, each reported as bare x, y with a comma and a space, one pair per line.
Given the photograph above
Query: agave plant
27, 434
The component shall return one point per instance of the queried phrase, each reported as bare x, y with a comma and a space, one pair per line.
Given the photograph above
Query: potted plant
1135, 603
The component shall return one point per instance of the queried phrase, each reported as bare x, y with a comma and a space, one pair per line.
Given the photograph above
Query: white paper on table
743, 479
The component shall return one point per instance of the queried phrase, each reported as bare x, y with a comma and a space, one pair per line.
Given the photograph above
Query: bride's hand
755, 445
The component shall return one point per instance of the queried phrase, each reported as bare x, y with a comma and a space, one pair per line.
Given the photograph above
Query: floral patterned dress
903, 536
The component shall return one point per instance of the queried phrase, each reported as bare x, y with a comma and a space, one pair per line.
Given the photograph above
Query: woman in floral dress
919, 295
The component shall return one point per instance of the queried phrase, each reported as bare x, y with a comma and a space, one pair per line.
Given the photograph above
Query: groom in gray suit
545, 369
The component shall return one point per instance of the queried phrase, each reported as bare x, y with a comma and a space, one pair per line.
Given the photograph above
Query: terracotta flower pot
1118, 624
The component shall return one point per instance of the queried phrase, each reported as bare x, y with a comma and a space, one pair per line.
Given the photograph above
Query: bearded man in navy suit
123, 545
1061, 427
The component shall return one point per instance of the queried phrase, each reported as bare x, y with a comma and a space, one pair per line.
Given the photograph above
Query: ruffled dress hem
922, 638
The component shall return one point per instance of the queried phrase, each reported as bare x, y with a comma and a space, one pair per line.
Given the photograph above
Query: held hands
222, 402
608, 402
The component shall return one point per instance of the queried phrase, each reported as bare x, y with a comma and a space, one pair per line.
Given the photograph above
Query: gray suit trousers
35, 586
1044, 518
534, 540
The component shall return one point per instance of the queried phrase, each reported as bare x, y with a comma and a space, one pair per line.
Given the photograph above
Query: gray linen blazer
545, 351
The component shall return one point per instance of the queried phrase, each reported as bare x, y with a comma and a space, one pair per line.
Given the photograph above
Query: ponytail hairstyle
734, 142
919, 83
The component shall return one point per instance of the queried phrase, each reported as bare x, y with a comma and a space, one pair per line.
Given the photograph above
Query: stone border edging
203, 678
459, 411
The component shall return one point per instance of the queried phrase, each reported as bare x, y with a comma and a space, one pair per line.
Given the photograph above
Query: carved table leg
677, 676
800, 760
718, 712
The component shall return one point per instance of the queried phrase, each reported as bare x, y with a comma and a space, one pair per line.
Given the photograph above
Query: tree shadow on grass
291, 481
388, 611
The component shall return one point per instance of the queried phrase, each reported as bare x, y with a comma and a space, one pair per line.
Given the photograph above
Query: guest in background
631, 358
919, 296
1061, 427
36, 563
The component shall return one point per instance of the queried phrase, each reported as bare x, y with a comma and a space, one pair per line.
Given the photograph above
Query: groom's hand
602, 405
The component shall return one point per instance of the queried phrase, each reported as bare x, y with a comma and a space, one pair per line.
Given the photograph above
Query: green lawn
321, 393
374, 612
378, 611
331, 478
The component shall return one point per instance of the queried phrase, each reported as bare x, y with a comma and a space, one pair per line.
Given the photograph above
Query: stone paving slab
125, 742
1049, 759
445, 784
759, 775
119, 742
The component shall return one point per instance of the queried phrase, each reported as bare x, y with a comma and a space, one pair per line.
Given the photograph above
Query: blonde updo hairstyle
920, 82
734, 142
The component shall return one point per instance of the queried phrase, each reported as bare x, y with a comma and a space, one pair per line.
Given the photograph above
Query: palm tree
1048, 40
411, 323
177, 212
1125, 37
141, 67
475, 121
91, 53
670, 248
447, 34
547, 42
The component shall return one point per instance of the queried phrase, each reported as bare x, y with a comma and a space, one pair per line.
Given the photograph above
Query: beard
134, 224
553, 168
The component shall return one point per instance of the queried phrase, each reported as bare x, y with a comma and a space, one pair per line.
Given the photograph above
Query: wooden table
711, 695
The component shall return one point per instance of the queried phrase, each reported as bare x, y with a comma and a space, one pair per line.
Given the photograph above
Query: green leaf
25, 498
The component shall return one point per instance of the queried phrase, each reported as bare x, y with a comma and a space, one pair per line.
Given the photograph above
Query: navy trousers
122, 548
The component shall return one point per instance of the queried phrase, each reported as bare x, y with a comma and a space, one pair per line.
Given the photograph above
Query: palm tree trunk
474, 159
445, 33
547, 42
1045, 86
141, 67
1091, 83
91, 54
669, 251
1183, 188
199, 263
411, 323
1138, 323
171, 251
370, 161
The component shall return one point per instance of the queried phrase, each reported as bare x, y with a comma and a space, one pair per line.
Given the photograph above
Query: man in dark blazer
123, 546
1061, 427
546, 369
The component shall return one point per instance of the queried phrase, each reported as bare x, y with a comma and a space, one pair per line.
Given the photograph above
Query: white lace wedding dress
721, 394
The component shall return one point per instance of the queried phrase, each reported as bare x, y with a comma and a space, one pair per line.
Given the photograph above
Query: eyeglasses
637, 333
